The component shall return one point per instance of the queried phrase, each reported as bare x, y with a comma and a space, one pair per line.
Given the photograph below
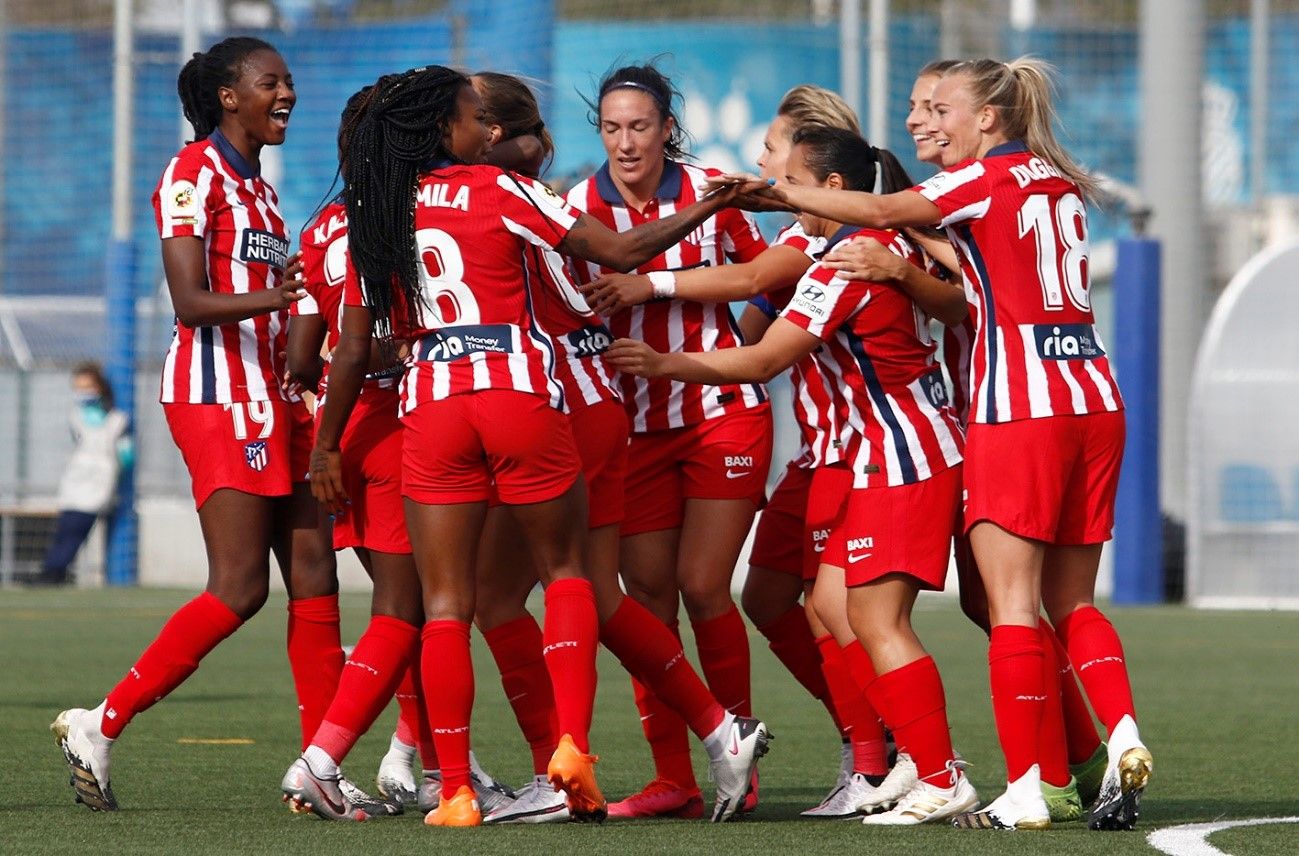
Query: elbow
189, 317
955, 316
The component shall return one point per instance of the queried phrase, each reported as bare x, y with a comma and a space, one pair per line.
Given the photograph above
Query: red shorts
827, 500
779, 544
600, 432
723, 458
455, 448
257, 447
1062, 493
375, 517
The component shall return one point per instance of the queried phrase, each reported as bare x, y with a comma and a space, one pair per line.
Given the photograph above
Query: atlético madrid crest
256, 455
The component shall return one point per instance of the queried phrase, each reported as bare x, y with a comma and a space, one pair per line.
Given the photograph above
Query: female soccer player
698, 457
224, 250
778, 573
893, 470
1011, 199
477, 400
643, 643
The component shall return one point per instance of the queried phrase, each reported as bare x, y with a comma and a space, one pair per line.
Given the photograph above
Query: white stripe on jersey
637, 332
948, 441
1102, 385
945, 182
912, 439
1039, 390
676, 342
969, 212
550, 206
1001, 383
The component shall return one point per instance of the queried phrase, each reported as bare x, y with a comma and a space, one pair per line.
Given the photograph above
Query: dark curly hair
206, 72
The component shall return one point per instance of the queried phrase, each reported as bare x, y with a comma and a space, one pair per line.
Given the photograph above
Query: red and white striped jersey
209, 191
1020, 231
887, 391
957, 343
324, 271
476, 327
674, 325
794, 235
579, 335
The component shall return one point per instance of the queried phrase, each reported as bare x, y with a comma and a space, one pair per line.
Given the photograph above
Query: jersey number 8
441, 273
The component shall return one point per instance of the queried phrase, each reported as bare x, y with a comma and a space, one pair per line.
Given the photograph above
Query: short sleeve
741, 240
823, 302
533, 211
794, 236
962, 193
180, 201
764, 305
353, 294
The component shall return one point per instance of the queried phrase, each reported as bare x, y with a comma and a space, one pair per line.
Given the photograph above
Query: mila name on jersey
261, 247
440, 196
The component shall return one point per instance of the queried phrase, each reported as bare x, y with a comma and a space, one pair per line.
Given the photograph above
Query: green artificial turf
1216, 693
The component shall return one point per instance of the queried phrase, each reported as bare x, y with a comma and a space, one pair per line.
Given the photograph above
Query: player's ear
834, 181
229, 100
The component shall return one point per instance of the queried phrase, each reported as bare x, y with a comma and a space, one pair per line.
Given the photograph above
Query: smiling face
468, 136
260, 100
922, 92
775, 148
635, 135
961, 129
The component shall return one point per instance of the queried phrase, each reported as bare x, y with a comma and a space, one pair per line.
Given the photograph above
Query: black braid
206, 72
402, 130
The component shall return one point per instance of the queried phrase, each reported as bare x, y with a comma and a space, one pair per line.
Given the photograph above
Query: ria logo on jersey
590, 341
261, 247
452, 343
1067, 342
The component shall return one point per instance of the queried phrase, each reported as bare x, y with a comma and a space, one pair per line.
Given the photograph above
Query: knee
313, 571
244, 600
762, 606
446, 604
706, 600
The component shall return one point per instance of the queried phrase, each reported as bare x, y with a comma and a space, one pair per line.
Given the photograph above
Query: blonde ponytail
1023, 91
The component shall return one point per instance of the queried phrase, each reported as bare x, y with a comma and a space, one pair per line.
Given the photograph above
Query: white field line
1191, 839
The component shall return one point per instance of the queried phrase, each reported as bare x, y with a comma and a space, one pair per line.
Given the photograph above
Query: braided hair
404, 128
208, 71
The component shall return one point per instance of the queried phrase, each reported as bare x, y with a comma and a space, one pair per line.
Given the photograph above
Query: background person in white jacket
88, 487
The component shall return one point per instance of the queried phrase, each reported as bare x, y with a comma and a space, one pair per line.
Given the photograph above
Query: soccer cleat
1090, 774
897, 784
536, 802
573, 771
461, 810
492, 795
1020, 807
430, 791
395, 778
735, 770
304, 791
1119, 804
846, 799
371, 805
926, 803
750, 803
660, 798
1062, 804
86, 750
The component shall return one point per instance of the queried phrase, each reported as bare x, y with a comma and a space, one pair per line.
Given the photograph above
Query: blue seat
1249, 494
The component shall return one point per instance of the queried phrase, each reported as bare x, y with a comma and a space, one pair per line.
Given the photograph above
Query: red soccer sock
570, 638
790, 638
445, 663
667, 737
1052, 753
187, 637
916, 709
516, 647
1018, 695
860, 723
870, 751
407, 707
1081, 738
377, 664
723, 645
428, 754
653, 655
1097, 656
315, 657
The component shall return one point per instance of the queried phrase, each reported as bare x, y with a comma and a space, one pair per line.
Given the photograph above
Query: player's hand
635, 358
866, 259
292, 287
326, 474
293, 269
748, 191
614, 292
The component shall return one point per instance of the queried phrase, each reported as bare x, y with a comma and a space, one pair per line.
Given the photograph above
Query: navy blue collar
845, 231
232, 156
1013, 147
669, 183
437, 163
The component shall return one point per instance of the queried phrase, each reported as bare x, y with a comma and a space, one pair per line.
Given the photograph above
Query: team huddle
521, 388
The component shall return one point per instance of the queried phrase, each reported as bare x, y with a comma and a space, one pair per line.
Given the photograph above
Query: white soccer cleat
846, 800
86, 750
368, 803
304, 791
535, 802
926, 803
429, 794
896, 785
732, 769
396, 779
491, 794
1020, 807
1126, 774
